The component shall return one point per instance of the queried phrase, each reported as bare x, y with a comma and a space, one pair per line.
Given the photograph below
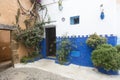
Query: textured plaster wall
118, 21
8, 10
118, 18
118, 1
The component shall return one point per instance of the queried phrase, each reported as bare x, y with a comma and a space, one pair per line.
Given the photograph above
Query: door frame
9, 28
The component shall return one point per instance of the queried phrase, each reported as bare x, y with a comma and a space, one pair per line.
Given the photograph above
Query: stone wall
8, 11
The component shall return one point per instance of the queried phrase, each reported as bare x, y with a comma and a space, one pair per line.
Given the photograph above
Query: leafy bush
118, 48
26, 59
31, 57
94, 40
64, 48
106, 56
31, 36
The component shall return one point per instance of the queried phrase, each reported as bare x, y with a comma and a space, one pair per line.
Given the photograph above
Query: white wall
118, 23
89, 12
118, 19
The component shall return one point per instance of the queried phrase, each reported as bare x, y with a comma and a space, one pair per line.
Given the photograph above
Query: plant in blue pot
64, 48
106, 59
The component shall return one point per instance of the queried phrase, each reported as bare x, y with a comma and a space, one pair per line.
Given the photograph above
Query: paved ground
72, 71
5, 65
29, 74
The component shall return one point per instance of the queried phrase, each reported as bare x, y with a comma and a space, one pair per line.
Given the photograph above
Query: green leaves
94, 40
64, 48
107, 57
30, 37
104, 55
118, 48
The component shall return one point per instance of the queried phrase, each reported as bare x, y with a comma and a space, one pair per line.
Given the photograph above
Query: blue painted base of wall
83, 50
118, 41
66, 63
110, 72
43, 48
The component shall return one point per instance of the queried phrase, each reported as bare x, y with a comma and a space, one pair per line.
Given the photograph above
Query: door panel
51, 41
5, 51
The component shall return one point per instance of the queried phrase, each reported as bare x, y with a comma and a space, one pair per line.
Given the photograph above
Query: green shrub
30, 37
118, 48
106, 56
94, 40
64, 48
31, 57
26, 59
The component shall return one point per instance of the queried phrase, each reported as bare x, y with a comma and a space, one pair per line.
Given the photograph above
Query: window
74, 20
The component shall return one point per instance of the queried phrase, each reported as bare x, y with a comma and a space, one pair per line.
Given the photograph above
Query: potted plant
106, 58
64, 48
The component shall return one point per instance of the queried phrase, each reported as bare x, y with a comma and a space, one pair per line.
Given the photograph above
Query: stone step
5, 65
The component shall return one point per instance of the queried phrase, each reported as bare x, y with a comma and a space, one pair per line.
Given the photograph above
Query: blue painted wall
84, 59
43, 48
118, 41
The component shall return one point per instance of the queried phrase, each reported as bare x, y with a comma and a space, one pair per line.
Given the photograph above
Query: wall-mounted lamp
60, 7
102, 14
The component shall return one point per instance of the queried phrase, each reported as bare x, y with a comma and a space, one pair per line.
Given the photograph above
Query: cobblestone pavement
29, 74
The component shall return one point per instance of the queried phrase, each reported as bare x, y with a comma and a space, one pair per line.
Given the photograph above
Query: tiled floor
71, 71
